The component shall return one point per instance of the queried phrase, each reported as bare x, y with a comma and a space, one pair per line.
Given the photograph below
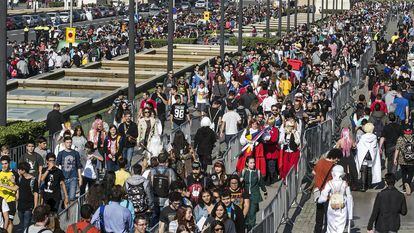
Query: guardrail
71, 214
316, 141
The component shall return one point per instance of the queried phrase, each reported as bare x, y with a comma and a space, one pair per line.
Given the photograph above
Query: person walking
404, 156
340, 207
322, 174
388, 206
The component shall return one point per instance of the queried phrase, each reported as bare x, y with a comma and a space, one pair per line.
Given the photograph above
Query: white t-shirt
201, 99
4, 208
267, 103
231, 118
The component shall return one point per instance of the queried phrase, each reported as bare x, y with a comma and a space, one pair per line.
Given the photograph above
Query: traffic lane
18, 35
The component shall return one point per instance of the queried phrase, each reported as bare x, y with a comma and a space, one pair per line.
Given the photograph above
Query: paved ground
304, 218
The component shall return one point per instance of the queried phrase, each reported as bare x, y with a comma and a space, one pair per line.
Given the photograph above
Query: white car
64, 16
53, 16
185, 6
200, 4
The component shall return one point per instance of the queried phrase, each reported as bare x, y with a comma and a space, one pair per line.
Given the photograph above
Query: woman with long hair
205, 205
219, 213
253, 182
248, 140
219, 176
79, 140
118, 119
180, 156
185, 218
112, 147
347, 145
219, 89
147, 127
96, 196
97, 135
290, 147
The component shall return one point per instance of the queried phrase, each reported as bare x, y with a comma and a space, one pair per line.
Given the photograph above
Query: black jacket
236, 214
204, 141
126, 131
54, 121
388, 206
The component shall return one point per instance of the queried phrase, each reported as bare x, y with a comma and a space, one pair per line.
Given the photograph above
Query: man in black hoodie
388, 206
233, 211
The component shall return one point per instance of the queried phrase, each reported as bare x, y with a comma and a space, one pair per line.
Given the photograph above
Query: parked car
111, 11
30, 20
53, 16
185, 6
64, 16
45, 18
36, 19
144, 7
19, 22
96, 13
154, 7
200, 4
81, 14
104, 11
10, 25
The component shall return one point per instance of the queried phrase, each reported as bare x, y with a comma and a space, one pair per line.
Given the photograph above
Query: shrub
253, 41
18, 133
56, 4
157, 43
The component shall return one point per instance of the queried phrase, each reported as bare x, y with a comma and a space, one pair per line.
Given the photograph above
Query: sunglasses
51, 160
218, 229
146, 112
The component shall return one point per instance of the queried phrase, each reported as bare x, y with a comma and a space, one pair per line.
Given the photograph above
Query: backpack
136, 194
161, 183
243, 116
378, 126
337, 199
84, 230
408, 150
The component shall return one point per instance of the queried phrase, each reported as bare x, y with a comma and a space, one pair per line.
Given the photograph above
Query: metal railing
71, 214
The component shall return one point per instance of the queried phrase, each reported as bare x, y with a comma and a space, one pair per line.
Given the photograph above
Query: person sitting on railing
250, 140
290, 144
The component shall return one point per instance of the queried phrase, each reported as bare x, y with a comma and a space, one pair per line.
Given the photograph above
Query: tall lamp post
307, 13
279, 24
288, 16
313, 11
131, 48
222, 29
170, 35
268, 19
326, 7
295, 19
3, 55
322, 8
240, 39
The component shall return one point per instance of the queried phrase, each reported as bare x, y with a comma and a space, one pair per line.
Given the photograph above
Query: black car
19, 22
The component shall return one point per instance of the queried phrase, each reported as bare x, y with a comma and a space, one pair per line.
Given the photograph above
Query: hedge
18, 133
56, 4
157, 43
253, 41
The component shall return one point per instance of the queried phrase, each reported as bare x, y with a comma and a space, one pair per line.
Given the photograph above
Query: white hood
369, 142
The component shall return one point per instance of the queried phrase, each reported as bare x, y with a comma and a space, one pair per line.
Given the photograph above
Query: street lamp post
307, 13
313, 11
322, 8
131, 48
326, 7
288, 16
295, 19
342, 4
170, 35
222, 29
3, 57
279, 25
240, 39
268, 19
71, 14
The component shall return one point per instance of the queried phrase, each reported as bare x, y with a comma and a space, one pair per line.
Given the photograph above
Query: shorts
12, 211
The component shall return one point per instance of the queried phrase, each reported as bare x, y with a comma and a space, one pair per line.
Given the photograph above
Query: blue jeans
25, 217
127, 153
111, 165
71, 187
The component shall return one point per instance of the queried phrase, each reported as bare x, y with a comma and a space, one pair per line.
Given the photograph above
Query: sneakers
407, 189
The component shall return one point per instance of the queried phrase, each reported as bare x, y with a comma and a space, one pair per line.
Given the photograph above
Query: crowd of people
269, 95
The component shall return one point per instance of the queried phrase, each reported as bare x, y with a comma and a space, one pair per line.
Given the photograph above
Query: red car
10, 25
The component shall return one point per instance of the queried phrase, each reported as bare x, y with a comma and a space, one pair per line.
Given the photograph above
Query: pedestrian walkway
303, 217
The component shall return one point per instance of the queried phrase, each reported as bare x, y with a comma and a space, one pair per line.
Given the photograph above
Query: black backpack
378, 126
161, 183
136, 194
408, 150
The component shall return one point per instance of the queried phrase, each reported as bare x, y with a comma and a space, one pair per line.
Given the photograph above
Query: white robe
337, 219
369, 142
